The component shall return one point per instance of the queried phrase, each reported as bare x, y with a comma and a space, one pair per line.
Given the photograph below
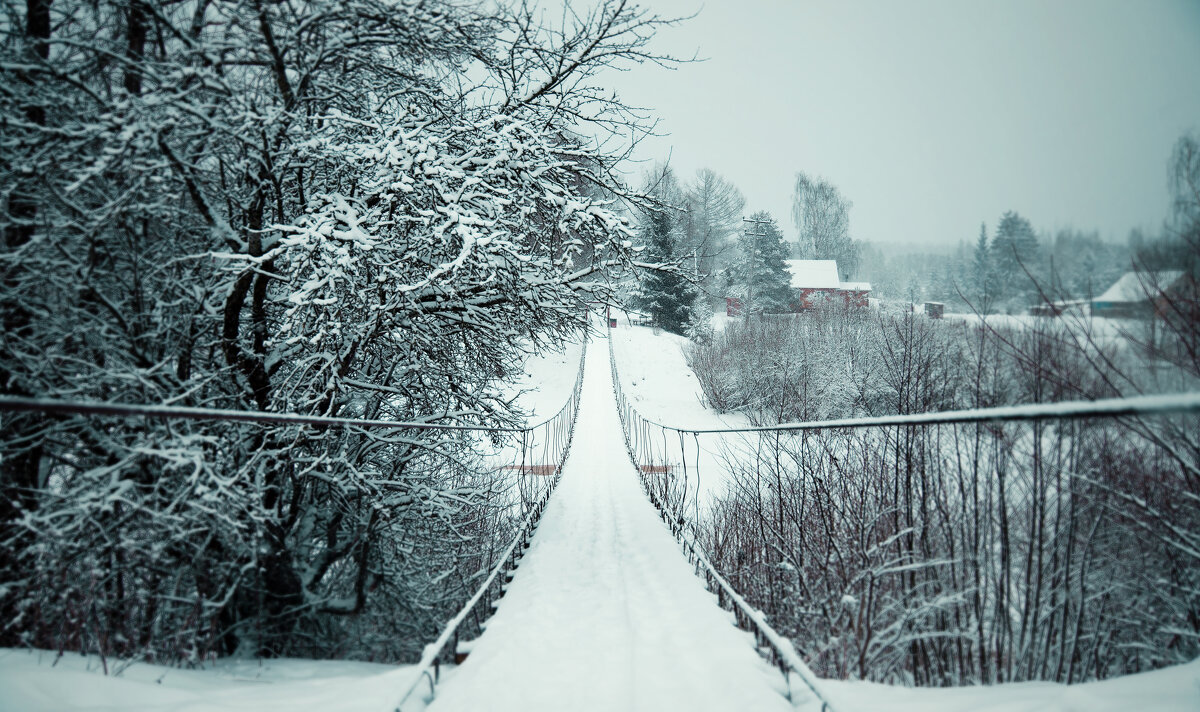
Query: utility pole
754, 259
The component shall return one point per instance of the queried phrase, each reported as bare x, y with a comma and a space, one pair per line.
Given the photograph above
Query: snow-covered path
605, 612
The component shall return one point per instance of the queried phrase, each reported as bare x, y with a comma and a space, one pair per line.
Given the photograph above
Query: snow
658, 381
1173, 689
662, 388
1133, 405
546, 381
813, 274
1082, 328
40, 681
32, 681
605, 613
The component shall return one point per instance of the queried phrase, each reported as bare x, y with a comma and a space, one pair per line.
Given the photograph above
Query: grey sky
933, 116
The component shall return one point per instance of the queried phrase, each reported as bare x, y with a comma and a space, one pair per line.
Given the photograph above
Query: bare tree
715, 208
952, 554
821, 216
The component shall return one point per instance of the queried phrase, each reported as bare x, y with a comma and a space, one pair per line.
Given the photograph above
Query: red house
815, 283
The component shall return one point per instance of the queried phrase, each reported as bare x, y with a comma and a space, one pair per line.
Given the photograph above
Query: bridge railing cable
454, 643
528, 459
928, 521
649, 446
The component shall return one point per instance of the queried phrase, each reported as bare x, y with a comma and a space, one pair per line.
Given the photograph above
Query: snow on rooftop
813, 274
820, 274
1139, 286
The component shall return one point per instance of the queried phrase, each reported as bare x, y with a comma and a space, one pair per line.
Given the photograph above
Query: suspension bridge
604, 611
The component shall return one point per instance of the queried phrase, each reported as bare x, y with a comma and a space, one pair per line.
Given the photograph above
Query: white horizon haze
931, 116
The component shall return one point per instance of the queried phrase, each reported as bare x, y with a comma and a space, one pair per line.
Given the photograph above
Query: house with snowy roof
1141, 294
815, 283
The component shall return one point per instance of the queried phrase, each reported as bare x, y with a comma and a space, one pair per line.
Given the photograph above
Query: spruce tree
983, 281
761, 273
666, 295
1014, 245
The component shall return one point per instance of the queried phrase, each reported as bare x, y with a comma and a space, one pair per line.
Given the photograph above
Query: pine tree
761, 275
666, 295
983, 282
1014, 249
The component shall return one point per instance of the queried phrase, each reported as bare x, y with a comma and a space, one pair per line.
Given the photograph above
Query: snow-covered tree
284, 207
983, 279
666, 295
760, 277
1014, 251
714, 211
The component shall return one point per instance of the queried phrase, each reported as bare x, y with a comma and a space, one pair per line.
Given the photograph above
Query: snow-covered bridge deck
605, 612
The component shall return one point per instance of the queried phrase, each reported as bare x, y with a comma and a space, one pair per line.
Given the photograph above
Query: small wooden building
815, 283
1141, 294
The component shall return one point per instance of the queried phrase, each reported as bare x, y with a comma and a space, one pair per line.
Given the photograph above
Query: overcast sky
933, 116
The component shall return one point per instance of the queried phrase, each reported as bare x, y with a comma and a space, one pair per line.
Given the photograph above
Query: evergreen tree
760, 276
666, 295
699, 326
1014, 246
983, 281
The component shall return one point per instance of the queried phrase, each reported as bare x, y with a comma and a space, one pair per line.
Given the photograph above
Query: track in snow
605, 612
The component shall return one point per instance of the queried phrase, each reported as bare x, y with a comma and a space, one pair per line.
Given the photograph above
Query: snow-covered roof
813, 274
857, 286
1139, 286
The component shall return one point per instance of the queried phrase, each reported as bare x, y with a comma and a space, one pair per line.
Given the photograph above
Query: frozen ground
40, 681
30, 681
657, 380
540, 391
1085, 329
1175, 689
546, 382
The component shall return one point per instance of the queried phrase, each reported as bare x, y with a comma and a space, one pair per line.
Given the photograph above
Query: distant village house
1142, 294
815, 283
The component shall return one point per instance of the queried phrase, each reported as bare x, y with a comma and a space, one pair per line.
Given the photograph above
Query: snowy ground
1085, 329
40, 681
31, 681
546, 382
662, 388
657, 380
540, 391
1175, 689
